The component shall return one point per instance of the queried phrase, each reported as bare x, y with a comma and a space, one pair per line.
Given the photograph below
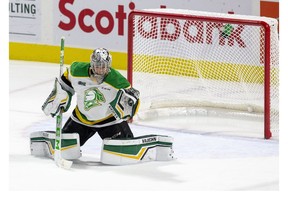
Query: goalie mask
100, 63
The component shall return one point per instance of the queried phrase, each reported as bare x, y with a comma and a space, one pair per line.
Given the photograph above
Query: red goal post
238, 51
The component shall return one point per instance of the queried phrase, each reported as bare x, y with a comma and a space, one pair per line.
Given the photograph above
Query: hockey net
226, 64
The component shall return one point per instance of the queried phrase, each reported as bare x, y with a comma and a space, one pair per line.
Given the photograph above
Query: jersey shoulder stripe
115, 79
80, 69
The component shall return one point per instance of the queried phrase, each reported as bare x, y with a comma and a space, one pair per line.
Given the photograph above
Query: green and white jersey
93, 99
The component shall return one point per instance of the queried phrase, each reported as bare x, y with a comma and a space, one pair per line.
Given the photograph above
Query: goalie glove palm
58, 99
125, 104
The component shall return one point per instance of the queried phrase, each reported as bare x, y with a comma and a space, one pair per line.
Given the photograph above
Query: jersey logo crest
93, 97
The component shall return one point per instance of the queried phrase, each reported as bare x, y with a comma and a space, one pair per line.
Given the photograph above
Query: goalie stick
60, 162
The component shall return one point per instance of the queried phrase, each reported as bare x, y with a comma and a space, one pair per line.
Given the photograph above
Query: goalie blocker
136, 150
125, 104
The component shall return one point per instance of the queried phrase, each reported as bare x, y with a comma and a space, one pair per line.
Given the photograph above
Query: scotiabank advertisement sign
204, 40
95, 23
91, 23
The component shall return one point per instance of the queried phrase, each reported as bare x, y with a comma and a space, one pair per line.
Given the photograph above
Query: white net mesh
218, 62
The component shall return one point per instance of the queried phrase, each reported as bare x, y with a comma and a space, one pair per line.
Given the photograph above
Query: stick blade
61, 162
65, 164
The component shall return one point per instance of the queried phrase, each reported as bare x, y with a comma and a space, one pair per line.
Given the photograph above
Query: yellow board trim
151, 64
233, 72
49, 53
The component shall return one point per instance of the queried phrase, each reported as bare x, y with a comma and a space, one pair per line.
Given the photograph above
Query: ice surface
204, 162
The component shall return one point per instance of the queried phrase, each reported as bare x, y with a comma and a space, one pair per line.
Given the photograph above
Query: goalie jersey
93, 99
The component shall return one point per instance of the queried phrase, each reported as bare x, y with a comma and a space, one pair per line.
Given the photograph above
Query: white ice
204, 162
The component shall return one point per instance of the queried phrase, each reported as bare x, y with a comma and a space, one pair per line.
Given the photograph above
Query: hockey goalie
105, 103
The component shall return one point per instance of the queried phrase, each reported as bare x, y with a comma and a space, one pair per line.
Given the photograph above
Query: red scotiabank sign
204, 31
102, 23
90, 21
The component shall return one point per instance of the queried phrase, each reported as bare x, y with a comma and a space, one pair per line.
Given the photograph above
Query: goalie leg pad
42, 144
137, 150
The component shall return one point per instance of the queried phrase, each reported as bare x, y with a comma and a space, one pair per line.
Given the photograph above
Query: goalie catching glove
125, 104
57, 100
